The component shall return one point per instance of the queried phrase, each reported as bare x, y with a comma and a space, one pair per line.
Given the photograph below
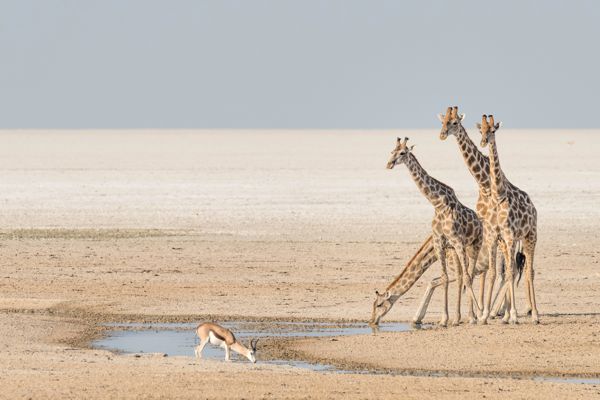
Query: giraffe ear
498, 125
387, 294
412, 147
462, 116
441, 117
478, 125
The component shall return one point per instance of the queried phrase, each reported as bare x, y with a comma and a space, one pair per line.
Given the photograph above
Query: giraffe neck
497, 184
477, 163
429, 186
413, 270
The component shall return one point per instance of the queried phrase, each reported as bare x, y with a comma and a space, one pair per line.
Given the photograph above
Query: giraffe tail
520, 261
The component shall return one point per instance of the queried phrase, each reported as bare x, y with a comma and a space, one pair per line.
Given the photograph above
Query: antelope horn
455, 112
491, 117
253, 345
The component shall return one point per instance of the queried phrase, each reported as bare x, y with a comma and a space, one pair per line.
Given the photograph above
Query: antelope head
252, 350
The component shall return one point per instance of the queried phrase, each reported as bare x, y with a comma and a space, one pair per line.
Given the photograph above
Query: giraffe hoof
416, 324
482, 321
456, 322
443, 323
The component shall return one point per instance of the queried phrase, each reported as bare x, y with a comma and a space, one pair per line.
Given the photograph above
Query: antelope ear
441, 117
462, 116
478, 125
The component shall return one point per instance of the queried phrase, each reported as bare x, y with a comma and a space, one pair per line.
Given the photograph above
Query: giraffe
478, 165
454, 226
515, 220
409, 275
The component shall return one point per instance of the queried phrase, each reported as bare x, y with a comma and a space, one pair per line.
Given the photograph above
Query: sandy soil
100, 226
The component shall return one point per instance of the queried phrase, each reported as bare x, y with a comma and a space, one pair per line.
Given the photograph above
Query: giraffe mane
408, 264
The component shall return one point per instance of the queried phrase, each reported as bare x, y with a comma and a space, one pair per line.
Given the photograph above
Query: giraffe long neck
498, 186
477, 162
413, 270
426, 184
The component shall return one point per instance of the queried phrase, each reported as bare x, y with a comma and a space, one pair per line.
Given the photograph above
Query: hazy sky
297, 64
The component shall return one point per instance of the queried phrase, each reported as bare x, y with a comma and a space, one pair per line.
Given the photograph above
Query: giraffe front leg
467, 279
441, 254
492, 246
459, 286
482, 280
418, 319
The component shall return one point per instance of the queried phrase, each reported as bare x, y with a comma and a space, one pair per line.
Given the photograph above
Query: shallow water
179, 339
576, 380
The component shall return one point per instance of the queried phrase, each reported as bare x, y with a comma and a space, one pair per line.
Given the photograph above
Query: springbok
223, 337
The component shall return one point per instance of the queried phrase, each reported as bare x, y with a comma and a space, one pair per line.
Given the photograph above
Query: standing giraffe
454, 226
515, 220
479, 167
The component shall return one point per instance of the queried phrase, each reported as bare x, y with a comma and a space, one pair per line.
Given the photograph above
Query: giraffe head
487, 129
400, 153
450, 122
382, 304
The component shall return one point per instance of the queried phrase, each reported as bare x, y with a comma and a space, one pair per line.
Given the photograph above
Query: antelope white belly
215, 340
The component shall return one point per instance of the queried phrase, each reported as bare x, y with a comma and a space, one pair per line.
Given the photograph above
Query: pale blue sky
297, 64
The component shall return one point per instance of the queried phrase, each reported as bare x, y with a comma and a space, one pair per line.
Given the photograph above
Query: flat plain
109, 226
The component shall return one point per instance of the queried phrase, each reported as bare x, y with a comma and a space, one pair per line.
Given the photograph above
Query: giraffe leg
482, 280
500, 299
526, 282
473, 252
509, 254
441, 254
498, 302
529, 250
492, 248
467, 279
418, 319
459, 286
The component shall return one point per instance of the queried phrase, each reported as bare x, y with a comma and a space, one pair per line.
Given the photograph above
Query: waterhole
179, 339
